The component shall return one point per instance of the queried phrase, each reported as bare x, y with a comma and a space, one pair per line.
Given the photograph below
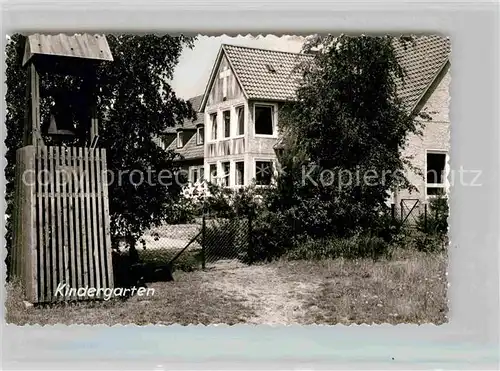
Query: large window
240, 173
225, 171
213, 124
227, 123
240, 115
263, 172
264, 120
435, 173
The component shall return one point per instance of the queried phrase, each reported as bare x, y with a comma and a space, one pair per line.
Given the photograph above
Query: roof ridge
264, 49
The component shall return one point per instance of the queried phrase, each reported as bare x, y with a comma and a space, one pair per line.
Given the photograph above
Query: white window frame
237, 124
180, 142
224, 123
445, 184
200, 129
199, 170
274, 120
224, 174
236, 162
254, 170
210, 179
211, 126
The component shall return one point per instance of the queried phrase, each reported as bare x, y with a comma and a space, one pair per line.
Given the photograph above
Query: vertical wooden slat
48, 267
59, 181
107, 230
88, 208
64, 199
35, 105
100, 221
16, 218
22, 221
29, 229
77, 265
40, 190
84, 216
94, 236
51, 221
60, 222
70, 270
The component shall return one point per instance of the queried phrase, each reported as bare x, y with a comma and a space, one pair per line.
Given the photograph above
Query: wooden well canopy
76, 55
61, 218
66, 54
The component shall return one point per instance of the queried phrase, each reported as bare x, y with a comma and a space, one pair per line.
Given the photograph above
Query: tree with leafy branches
345, 134
136, 104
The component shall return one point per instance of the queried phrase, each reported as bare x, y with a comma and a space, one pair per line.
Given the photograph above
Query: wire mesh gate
200, 244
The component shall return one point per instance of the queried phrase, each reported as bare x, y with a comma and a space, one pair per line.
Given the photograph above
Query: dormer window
270, 68
180, 142
200, 135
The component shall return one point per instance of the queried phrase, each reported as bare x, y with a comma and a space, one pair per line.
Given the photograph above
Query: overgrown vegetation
341, 157
136, 103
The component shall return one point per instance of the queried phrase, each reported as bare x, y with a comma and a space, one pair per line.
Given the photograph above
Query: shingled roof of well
279, 82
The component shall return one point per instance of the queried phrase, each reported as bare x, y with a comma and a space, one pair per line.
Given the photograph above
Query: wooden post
425, 218
203, 242
107, 228
35, 135
251, 255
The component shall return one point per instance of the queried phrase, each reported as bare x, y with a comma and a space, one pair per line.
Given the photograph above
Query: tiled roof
422, 61
266, 74
190, 151
189, 124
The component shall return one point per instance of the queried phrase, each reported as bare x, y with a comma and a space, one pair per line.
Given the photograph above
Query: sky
193, 71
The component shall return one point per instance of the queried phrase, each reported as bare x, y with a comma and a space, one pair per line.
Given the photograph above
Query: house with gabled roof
187, 141
247, 87
241, 103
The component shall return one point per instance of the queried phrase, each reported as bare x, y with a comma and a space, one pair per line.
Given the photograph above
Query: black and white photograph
254, 179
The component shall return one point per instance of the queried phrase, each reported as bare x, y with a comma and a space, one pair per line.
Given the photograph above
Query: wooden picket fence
62, 226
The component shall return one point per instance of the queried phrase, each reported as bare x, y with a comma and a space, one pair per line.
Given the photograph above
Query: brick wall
436, 135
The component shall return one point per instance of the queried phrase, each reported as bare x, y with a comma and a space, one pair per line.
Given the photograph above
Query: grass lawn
410, 288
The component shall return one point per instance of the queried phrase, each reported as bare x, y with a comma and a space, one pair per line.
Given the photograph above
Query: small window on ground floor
435, 173
263, 172
193, 174
225, 173
213, 173
240, 173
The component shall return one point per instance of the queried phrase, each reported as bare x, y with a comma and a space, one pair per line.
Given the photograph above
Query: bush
427, 242
272, 235
183, 211
225, 239
437, 218
360, 246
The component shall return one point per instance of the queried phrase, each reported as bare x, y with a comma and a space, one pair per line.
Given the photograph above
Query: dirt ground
273, 299
408, 289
